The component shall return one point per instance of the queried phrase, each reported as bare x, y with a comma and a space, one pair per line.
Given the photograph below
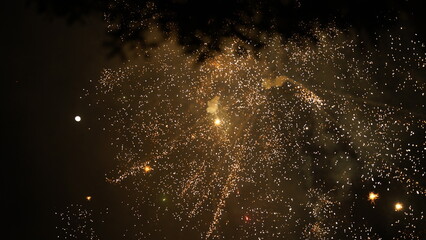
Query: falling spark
147, 169
372, 197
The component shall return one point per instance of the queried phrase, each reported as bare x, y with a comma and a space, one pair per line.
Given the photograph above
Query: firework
270, 143
372, 197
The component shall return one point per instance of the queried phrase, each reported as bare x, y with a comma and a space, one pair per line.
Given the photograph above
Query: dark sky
49, 161
47, 157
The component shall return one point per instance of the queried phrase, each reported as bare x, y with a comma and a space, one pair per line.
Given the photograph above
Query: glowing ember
398, 206
373, 197
147, 169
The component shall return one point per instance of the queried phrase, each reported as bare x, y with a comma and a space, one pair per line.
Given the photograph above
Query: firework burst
267, 144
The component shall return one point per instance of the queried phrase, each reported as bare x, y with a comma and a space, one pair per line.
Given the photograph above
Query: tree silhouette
201, 26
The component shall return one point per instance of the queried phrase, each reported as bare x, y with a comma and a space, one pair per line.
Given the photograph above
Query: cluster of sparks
273, 144
77, 222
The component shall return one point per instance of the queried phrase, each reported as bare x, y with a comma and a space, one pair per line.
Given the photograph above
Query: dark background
48, 159
52, 49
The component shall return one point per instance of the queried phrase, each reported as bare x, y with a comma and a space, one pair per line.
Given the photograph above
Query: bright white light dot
77, 118
398, 206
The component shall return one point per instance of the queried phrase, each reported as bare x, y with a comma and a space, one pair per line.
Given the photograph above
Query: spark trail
266, 145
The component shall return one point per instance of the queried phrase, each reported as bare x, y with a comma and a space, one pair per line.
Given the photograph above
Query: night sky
221, 120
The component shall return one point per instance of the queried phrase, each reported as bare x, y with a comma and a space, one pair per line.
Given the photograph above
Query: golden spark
372, 197
147, 169
398, 206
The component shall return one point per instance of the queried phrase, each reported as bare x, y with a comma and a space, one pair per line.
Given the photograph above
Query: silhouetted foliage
202, 25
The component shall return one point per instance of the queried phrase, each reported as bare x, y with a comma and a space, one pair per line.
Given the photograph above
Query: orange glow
147, 169
398, 206
373, 197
